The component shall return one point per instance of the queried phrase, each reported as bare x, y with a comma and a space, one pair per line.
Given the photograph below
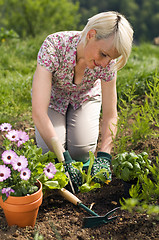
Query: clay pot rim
28, 207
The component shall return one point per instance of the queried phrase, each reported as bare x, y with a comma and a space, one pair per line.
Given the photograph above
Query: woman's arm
41, 91
109, 114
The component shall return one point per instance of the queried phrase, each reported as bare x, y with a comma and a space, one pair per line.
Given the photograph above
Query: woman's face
99, 52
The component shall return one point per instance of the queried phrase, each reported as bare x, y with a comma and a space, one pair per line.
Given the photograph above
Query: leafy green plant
141, 126
127, 109
129, 166
145, 199
7, 34
152, 100
88, 182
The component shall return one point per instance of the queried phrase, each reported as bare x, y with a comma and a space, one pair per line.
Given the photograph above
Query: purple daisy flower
25, 174
8, 156
50, 170
22, 137
12, 135
5, 173
5, 127
7, 191
20, 163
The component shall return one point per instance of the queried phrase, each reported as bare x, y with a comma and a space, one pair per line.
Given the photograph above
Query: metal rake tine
110, 213
90, 222
98, 220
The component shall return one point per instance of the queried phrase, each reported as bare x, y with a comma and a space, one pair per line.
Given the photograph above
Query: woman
76, 75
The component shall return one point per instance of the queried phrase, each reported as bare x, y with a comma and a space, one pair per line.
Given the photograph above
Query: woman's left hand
103, 160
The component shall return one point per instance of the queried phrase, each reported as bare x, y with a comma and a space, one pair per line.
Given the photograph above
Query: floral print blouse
58, 55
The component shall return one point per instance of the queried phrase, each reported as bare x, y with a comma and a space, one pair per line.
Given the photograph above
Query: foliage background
34, 17
142, 14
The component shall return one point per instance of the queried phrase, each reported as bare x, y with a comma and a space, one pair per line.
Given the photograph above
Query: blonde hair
114, 24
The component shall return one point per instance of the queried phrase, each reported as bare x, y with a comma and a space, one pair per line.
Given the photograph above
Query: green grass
141, 67
17, 66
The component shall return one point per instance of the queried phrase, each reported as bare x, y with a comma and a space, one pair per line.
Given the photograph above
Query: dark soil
60, 219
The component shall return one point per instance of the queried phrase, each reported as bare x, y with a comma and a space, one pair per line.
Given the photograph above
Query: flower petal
20, 163
5, 127
5, 173
25, 174
8, 156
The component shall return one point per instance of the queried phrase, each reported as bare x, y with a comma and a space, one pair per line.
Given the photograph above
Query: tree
142, 14
32, 17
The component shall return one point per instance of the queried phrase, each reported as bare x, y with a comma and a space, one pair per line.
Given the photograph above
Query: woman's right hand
74, 173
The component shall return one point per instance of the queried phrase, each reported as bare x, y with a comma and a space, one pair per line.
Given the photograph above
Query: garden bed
59, 219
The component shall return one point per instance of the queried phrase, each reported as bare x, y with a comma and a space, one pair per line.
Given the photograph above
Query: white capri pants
78, 130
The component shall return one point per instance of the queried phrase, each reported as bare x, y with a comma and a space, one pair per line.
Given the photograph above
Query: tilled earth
60, 219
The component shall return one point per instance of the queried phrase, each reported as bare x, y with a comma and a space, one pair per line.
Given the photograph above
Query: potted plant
23, 172
129, 167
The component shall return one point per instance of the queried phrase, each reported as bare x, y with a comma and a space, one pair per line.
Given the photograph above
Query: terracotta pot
22, 211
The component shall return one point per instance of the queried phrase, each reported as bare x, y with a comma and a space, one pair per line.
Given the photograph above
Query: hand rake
88, 222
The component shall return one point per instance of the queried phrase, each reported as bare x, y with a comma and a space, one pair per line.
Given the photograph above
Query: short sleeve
47, 55
107, 74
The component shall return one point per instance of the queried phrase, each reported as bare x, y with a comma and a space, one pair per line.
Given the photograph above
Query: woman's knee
81, 152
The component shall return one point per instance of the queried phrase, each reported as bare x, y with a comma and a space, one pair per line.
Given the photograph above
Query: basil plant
129, 166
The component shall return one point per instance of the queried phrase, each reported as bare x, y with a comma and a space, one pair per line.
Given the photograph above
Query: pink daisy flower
8, 156
12, 135
50, 170
7, 191
20, 163
22, 137
25, 174
5, 173
5, 127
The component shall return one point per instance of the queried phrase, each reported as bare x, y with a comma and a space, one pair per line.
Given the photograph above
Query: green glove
103, 160
74, 173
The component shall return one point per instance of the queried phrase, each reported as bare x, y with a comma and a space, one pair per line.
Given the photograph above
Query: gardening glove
103, 160
74, 173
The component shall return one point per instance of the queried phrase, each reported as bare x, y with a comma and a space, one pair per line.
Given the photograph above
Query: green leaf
127, 165
42, 178
52, 184
115, 167
137, 167
78, 165
4, 198
60, 167
87, 188
61, 178
143, 154
125, 174
101, 176
131, 156
92, 158
33, 189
